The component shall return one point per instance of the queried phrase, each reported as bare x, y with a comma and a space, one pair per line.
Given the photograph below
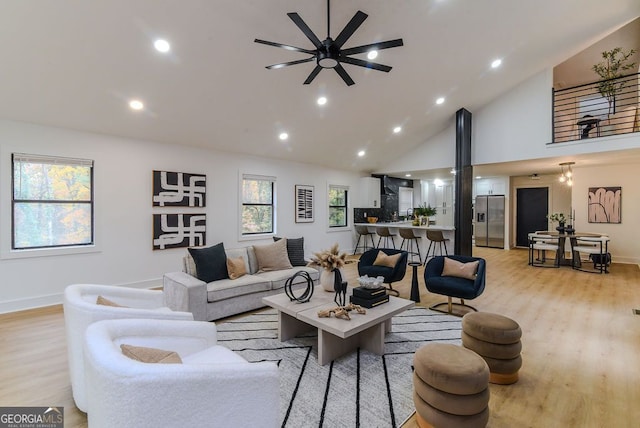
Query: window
257, 204
52, 202
405, 200
337, 206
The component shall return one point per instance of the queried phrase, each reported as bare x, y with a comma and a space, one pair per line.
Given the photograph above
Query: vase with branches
613, 65
329, 260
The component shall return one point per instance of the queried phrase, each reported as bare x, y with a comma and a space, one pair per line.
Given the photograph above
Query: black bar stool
384, 232
436, 238
411, 238
363, 231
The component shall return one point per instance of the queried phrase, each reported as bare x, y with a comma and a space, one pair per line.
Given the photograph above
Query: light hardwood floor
581, 346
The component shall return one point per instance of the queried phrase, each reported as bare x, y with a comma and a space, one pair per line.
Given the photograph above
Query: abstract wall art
304, 204
179, 189
605, 205
179, 230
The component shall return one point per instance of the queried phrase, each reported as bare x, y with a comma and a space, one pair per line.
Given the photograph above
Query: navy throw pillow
211, 262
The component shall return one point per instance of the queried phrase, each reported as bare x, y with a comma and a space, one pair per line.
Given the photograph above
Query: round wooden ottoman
451, 387
495, 338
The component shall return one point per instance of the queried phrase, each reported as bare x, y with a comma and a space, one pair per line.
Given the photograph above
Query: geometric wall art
179, 230
179, 189
304, 204
605, 205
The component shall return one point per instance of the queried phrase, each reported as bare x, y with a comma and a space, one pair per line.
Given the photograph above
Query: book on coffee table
370, 303
369, 293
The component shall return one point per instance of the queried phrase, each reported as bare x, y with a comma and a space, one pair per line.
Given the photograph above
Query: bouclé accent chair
212, 386
81, 309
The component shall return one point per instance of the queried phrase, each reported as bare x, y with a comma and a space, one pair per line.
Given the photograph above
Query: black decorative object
329, 53
340, 287
308, 292
560, 227
569, 230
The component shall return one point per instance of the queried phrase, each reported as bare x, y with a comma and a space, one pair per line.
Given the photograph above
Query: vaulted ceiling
76, 64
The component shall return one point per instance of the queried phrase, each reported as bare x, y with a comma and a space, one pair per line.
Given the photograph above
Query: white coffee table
336, 336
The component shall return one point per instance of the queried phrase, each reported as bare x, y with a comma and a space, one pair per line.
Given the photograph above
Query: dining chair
542, 243
597, 248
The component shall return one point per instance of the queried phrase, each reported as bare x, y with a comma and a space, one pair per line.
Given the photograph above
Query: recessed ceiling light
478, 177
397, 129
453, 171
162, 45
372, 55
440, 100
283, 136
438, 182
496, 63
136, 105
322, 101
407, 175
361, 153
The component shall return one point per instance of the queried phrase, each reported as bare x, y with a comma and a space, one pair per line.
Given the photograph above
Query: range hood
387, 188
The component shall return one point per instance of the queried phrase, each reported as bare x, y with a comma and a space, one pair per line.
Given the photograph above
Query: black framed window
338, 206
258, 205
52, 202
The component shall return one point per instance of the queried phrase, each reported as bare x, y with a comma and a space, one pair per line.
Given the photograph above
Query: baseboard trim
17, 305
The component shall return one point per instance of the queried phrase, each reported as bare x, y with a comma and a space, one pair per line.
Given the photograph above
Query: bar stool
384, 232
436, 238
410, 236
363, 231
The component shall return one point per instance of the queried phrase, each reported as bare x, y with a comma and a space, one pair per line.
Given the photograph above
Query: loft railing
598, 109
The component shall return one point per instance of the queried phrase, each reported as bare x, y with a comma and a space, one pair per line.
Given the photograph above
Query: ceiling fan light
326, 61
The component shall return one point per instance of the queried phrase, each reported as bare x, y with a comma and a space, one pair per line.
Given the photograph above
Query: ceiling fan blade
342, 72
313, 75
286, 64
288, 47
305, 29
367, 64
373, 46
350, 28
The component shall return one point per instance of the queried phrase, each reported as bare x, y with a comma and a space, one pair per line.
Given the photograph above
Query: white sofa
213, 387
225, 297
81, 310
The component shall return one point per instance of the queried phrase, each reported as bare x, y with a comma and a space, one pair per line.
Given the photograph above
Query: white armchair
80, 310
213, 387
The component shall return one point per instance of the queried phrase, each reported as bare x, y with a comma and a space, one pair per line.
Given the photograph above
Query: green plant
614, 63
425, 210
557, 218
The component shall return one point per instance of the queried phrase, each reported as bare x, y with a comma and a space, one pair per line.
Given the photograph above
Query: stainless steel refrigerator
489, 221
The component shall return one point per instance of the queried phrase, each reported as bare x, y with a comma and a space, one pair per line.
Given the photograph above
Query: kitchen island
447, 231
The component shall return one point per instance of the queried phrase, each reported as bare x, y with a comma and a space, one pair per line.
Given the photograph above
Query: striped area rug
358, 390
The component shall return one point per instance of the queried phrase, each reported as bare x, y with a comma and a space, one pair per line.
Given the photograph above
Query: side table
415, 292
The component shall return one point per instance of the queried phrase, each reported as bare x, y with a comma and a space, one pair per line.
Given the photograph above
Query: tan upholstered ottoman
496, 339
450, 387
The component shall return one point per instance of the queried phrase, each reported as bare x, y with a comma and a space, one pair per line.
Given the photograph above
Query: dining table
561, 259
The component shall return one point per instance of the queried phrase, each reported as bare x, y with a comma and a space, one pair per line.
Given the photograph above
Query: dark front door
531, 212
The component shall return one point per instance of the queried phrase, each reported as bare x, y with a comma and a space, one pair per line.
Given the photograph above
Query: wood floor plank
581, 346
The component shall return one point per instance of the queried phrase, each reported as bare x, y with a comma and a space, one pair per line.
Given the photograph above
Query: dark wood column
464, 184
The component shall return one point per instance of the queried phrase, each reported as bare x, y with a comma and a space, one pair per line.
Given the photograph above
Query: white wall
123, 186
624, 245
437, 152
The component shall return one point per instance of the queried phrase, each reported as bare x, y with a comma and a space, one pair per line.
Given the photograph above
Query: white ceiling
75, 64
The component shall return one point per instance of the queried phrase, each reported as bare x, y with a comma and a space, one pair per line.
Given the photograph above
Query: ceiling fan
329, 53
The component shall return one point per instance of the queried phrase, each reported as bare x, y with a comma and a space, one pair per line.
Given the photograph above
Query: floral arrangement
330, 259
557, 217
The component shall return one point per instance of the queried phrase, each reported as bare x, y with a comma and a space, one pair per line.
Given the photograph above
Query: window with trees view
52, 202
337, 206
257, 204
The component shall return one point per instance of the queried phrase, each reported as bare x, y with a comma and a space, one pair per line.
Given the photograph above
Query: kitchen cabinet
490, 186
444, 205
370, 192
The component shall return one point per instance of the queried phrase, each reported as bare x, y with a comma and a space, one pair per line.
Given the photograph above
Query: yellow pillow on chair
382, 259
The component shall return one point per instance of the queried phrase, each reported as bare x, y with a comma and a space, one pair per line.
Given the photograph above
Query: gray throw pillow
211, 262
295, 250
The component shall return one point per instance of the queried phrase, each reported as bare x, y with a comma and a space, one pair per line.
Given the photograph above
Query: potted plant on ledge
422, 214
